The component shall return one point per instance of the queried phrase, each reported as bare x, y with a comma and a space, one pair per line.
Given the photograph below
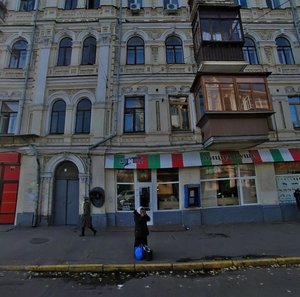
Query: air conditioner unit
135, 6
172, 7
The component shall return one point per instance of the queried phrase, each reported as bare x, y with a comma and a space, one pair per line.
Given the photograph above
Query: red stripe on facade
142, 162
295, 154
177, 161
10, 158
255, 156
226, 158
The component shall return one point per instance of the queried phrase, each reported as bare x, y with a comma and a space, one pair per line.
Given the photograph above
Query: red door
9, 183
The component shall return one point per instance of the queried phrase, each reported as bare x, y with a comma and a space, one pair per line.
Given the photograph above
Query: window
83, 116
167, 189
235, 93
287, 180
221, 26
58, 117
174, 2
65, 52
284, 51
294, 103
18, 54
140, 2
273, 3
71, 4
179, 110
125, 190
243, 3
8, 117
174, 51
89, 51
92, 4
249, 51
134, 114
135, 51
27, 5
228, 185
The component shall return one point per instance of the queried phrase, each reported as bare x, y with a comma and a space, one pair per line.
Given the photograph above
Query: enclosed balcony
3, 11
233, 111
218, 38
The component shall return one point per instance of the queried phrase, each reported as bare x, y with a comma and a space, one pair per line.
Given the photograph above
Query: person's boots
82, 232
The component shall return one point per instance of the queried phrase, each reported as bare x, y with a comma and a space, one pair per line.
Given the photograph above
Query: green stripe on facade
236, 157
205, 158
276, 155
119, 161
154, 161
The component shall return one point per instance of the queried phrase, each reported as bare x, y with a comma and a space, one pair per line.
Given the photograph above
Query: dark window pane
89, 51
71, 4
83, 116
57, 125
65, 52
135, 51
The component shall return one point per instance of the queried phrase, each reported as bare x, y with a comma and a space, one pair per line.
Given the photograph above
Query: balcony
3, 12
232, 110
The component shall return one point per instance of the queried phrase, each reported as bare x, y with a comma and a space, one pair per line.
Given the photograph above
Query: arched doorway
66, 194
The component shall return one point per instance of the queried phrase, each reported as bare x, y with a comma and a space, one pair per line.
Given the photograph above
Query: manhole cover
39, 240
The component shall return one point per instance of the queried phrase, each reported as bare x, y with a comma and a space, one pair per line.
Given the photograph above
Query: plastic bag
139, 252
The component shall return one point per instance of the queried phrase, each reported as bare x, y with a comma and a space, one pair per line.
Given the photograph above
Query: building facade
188, 108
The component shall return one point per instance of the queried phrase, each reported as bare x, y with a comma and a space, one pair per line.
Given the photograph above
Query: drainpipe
27, 66
294, 13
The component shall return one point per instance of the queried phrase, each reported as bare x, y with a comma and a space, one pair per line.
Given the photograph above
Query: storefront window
167, 189
228, 185
288, 180
144, 175
125, 190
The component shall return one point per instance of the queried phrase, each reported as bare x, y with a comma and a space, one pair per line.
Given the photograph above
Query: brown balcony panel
228, 131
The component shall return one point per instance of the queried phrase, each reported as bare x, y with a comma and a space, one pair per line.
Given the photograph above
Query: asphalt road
251, 282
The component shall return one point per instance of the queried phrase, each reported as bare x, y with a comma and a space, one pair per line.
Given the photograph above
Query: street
251, 282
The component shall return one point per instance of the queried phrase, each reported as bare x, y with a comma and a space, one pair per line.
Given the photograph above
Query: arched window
65, 52
58, 115
135, 51
89, 51
249, 51
71, 4
83, 116
18, 54
284, 51
174, 51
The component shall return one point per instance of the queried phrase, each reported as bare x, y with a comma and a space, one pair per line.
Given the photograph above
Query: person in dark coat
86, 219
297, 197
141, 229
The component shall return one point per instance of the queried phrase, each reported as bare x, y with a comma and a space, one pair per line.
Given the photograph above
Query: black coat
141, 228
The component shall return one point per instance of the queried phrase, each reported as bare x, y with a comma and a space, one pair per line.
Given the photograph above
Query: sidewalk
175, 247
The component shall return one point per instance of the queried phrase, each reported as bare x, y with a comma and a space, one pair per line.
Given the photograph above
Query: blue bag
139, 252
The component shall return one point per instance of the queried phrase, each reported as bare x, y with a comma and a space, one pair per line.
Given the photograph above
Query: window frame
27, 5
294, 107
71, 4
174, 52
135, 53
64, 52
18, 56
273, 4
285, 52
249, 52
83, 117
89, 51
8, 119
92, 4
58, 117
242, 3
176, 103
137, 115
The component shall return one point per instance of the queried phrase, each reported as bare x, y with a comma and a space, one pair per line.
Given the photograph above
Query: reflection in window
294, 103
273, 3
284, 51
135, 51
65, 52
225, 185
134, 114
71, 4
89, 51
167, 189
58, 114
8, 117
179, 111
27, 5
249, 51
174, 51
125, 190
83, 116
18, 54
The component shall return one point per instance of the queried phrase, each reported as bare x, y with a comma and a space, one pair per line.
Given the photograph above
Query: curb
144, 267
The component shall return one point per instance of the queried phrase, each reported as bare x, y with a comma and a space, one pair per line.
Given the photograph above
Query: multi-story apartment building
189, 108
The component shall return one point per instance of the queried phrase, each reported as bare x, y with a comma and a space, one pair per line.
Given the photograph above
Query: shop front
204, 187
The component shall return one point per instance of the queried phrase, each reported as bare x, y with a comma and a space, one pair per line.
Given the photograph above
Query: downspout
27, 66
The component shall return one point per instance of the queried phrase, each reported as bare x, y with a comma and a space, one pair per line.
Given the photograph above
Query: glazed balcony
232, 111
